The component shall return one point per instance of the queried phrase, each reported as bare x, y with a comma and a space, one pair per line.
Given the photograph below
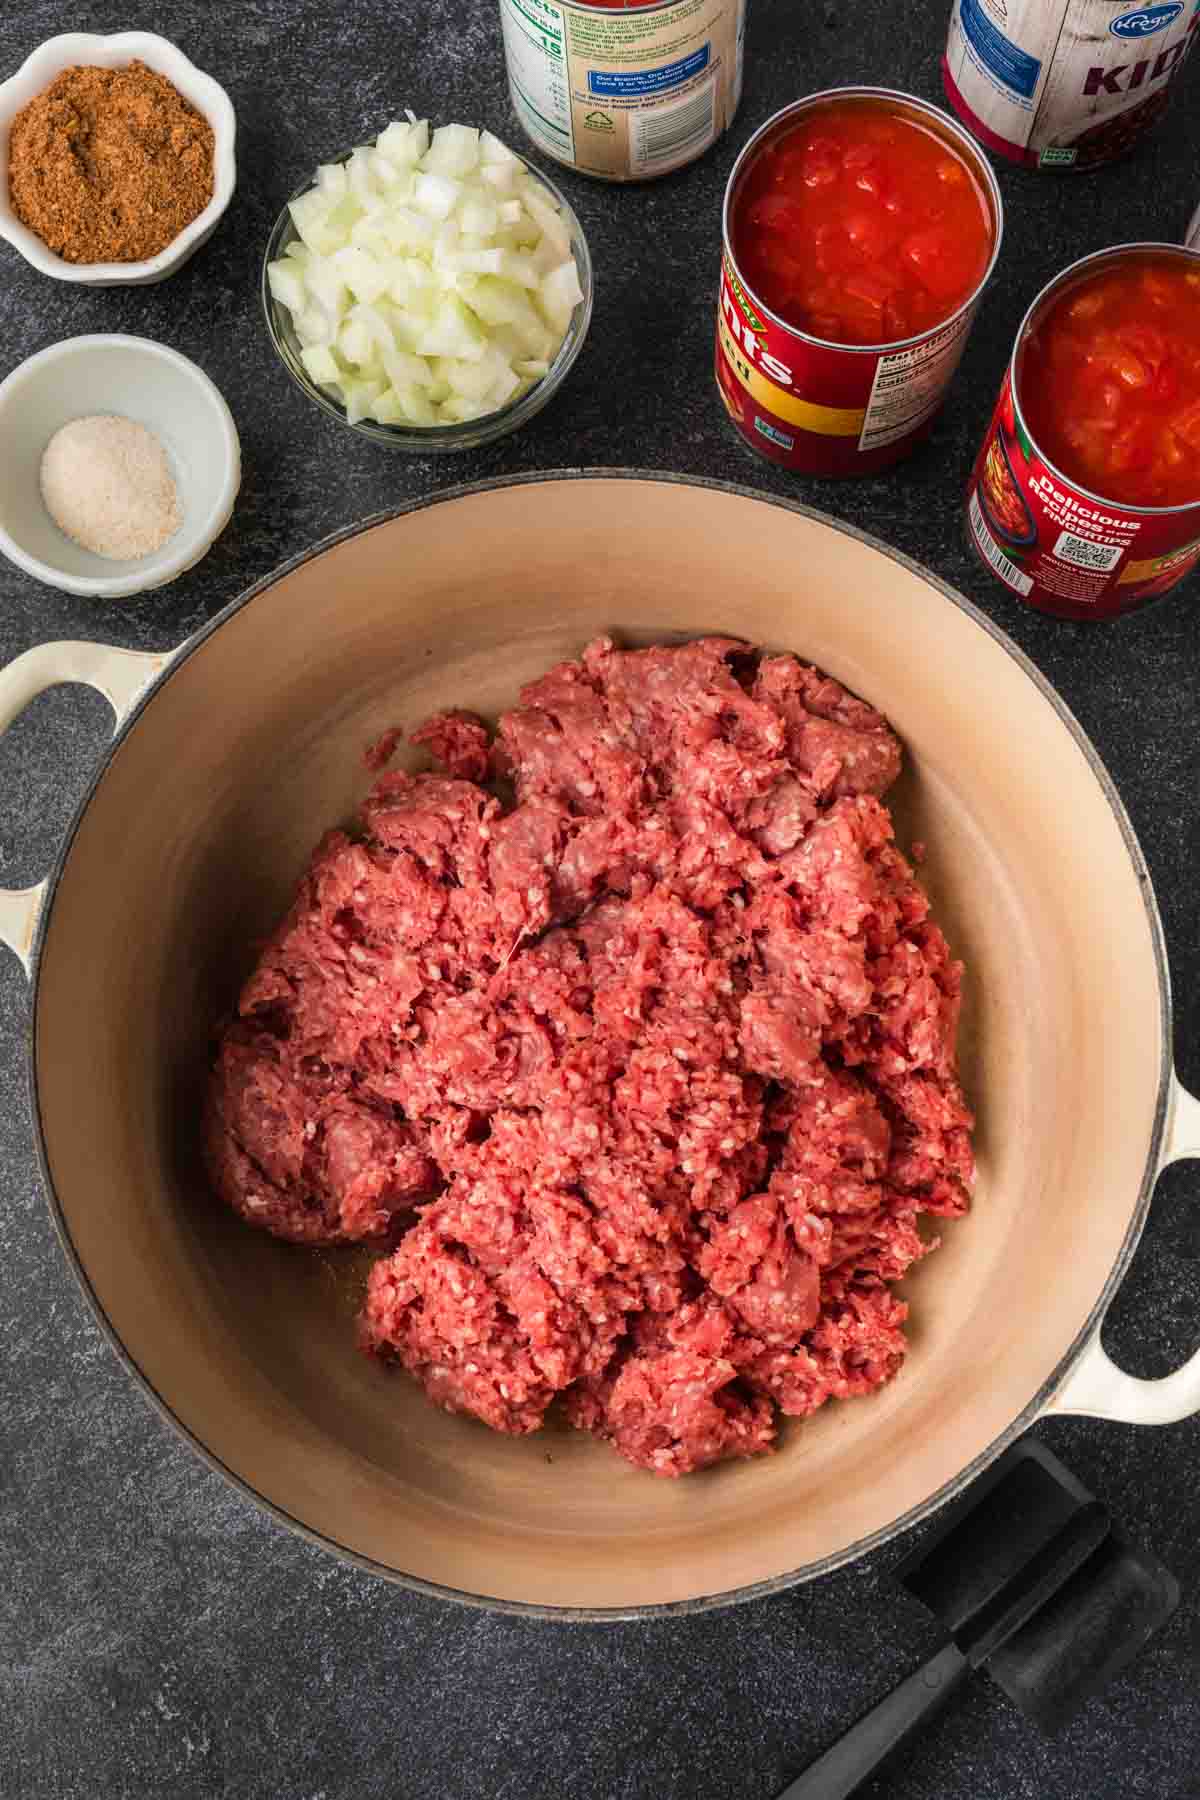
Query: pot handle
1096, 1387
122, 676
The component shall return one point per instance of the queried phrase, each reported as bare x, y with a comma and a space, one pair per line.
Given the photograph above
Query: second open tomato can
1064, 543
811, 403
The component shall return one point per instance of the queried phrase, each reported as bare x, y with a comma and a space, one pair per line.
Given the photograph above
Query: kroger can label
1064, 84
1059, 546
836, 409
625, 92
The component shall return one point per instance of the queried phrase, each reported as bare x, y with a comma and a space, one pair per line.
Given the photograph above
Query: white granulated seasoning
108, 485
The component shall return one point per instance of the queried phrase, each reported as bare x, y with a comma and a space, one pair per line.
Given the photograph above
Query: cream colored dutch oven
231, 757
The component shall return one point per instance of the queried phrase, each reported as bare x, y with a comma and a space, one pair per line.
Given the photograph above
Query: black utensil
1009, 1582
1088, 1632
1004, 1519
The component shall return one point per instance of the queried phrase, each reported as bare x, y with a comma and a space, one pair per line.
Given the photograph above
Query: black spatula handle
859, 1753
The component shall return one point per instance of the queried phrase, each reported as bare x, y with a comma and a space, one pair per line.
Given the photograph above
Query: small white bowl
206, 95
142, 380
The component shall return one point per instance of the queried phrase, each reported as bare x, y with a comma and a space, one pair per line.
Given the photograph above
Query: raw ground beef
661, 1053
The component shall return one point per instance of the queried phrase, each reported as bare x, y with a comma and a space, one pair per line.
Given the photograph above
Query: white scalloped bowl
111, 52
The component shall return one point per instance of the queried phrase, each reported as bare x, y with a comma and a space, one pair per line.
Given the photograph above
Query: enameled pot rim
1088, 1327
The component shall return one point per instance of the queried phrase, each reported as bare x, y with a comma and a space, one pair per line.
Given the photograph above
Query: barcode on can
1004, 566
1081, 553
667, 134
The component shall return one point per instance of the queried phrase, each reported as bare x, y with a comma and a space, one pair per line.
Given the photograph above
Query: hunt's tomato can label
624, 89
1064, 84
1085, 497
860, 228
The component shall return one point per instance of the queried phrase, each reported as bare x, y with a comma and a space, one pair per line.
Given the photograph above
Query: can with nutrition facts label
624, 89
819, 405
1062, 547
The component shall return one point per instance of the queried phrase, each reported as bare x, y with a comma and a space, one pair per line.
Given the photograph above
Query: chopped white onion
436, 194
491, 150
454, 150
502, 178
431, 281
332, 180
539, 204
358, 397
320, 364
286, 281
561, 294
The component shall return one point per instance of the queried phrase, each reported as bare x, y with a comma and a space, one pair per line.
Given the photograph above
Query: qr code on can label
1083, 555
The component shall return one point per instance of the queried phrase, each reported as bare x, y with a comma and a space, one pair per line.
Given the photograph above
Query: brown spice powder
109, 165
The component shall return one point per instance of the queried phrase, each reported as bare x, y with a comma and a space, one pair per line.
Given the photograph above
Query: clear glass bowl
426, 439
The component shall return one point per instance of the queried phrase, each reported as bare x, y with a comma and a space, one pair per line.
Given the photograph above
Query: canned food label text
1057, 545
624, 94
909, 384
819, 407
1064, 83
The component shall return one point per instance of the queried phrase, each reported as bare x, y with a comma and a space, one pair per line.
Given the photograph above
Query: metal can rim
1041, 299
971, 150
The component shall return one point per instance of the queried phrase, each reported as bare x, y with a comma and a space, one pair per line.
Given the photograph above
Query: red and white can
1064, 84
824, 408
1061, 547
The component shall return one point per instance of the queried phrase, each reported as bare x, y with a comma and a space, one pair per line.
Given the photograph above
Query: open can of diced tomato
860, 228
1085, 498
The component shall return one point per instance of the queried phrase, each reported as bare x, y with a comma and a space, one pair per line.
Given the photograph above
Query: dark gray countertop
158, 1635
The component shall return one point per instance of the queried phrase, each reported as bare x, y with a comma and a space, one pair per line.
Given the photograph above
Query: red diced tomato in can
860, 229
1085, 498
